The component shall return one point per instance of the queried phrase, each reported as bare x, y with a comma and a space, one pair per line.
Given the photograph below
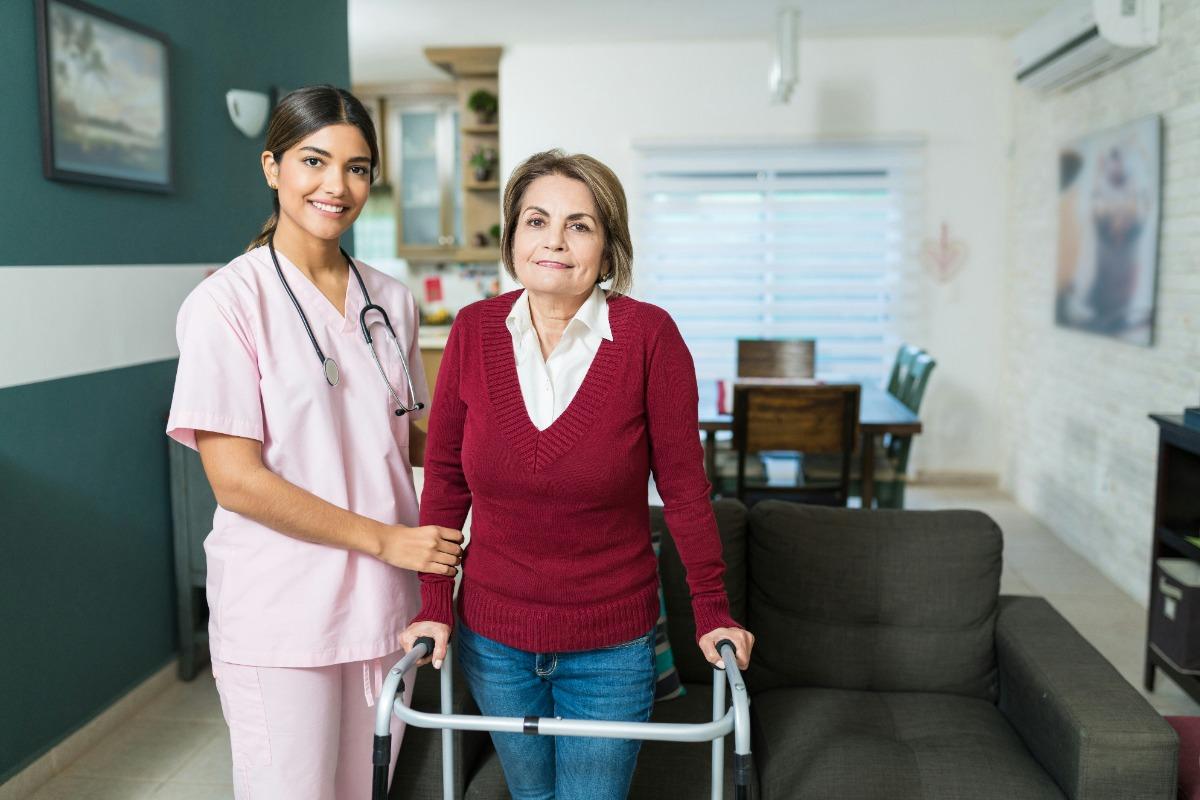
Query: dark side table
1176, 515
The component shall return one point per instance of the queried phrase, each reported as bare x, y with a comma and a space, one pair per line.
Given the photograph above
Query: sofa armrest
1087, 726
418, 771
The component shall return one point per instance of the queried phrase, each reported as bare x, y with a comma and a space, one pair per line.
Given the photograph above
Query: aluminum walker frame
735, 719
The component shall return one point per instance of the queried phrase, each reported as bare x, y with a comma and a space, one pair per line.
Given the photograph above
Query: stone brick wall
1081, 453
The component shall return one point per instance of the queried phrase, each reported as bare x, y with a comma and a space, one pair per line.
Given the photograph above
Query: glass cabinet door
456, 178
420, 179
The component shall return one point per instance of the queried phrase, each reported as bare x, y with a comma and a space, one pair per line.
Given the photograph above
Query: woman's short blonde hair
616, 263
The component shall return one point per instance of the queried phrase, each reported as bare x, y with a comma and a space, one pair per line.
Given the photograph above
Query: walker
736, 719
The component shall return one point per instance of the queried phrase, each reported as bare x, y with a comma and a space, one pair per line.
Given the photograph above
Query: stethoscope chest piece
332, 375
328, 365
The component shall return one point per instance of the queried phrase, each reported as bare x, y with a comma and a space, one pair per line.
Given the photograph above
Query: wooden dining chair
905, 357
820, 420
891, 473
891, 464
776, 358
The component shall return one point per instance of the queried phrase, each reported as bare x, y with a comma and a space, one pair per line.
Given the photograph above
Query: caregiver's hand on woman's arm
429, 548
435, 630
244, 485
743, 643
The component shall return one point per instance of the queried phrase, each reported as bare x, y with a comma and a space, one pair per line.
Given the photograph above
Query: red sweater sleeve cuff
437, 602
712, 612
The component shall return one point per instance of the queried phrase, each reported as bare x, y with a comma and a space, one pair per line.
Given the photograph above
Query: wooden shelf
474, 69
445, 255
1178, 543
466, 62
479, 254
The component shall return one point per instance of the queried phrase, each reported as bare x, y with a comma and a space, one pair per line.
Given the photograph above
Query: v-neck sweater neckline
540, 448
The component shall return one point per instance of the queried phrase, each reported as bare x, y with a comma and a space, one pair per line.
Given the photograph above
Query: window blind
813, 241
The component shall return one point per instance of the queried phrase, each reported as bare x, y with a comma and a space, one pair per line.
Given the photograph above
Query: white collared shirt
547, 386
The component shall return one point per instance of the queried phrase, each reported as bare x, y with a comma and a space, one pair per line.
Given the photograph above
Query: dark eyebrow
576, 215
327, 154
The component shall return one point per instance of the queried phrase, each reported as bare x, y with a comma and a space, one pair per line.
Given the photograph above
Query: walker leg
447, 733
718, 745
381, 760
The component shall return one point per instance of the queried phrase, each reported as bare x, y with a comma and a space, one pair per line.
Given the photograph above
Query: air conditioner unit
1083, 38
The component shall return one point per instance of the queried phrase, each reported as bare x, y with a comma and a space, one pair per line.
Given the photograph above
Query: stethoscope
330, 367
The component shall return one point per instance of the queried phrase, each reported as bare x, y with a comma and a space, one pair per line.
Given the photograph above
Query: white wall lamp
248, 110
784, 70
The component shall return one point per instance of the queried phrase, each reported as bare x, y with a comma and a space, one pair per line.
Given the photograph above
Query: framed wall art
105, 98
1109, 206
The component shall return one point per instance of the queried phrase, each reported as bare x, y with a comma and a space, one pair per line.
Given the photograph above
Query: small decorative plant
485, 105
494, 232
483, 161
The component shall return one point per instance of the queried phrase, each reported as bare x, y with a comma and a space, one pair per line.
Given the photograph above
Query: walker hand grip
724, 642
427, 641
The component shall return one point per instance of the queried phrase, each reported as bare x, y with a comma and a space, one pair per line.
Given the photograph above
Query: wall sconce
248, 110
784, 72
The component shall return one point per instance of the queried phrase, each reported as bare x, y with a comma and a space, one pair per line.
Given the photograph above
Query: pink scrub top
247, 368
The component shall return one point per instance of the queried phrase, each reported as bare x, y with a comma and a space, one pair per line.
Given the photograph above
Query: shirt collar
593, 314
519, 320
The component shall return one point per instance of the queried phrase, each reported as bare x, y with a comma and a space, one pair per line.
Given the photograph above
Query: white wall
62, 321
954, 93
1083, 454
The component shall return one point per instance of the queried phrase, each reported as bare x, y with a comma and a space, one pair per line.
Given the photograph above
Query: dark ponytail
302, 113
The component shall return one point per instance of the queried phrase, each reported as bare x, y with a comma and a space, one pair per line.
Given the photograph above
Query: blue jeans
614, 683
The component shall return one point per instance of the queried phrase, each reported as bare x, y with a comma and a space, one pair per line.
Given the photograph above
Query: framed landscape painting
1109, 206
105, 98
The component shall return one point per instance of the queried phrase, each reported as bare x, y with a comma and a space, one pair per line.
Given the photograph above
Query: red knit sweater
560, 555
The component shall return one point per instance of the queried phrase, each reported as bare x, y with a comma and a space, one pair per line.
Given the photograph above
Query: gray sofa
887, 666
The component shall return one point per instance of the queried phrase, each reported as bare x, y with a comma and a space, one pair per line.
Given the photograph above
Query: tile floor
177, 747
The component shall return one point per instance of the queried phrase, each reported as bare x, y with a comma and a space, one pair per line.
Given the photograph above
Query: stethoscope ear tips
400, 412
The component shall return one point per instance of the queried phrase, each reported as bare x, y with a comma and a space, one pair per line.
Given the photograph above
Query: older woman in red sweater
553, 406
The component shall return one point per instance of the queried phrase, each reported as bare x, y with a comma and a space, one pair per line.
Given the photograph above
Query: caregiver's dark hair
304, 112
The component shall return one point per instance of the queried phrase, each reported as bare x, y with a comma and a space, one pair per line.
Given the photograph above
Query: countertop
433, 337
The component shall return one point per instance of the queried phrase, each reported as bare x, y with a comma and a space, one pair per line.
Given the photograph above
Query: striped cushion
667, 685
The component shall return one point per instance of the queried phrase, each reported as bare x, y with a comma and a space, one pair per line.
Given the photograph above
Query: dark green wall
86, 579
219, 201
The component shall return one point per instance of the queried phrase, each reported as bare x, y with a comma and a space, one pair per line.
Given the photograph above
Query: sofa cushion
667, 684
850, 745
731, 521
873, 600
681, 769
488, 781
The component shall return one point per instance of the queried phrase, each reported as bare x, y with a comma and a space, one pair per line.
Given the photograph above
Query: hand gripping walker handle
381, 755
427, 641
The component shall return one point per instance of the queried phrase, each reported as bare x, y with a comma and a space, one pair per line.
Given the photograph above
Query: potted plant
484, 104
494, 233
483, 161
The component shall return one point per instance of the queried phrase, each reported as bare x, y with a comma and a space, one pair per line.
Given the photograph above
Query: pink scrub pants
304, 733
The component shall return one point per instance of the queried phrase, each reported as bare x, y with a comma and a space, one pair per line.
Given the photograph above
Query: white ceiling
387, 36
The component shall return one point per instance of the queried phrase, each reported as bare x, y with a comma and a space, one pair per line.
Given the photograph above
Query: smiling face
558, 245
322, 182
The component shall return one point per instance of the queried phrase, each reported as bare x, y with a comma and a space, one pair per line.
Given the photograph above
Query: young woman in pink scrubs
305, 432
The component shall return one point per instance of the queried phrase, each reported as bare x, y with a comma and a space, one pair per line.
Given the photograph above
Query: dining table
879, 412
